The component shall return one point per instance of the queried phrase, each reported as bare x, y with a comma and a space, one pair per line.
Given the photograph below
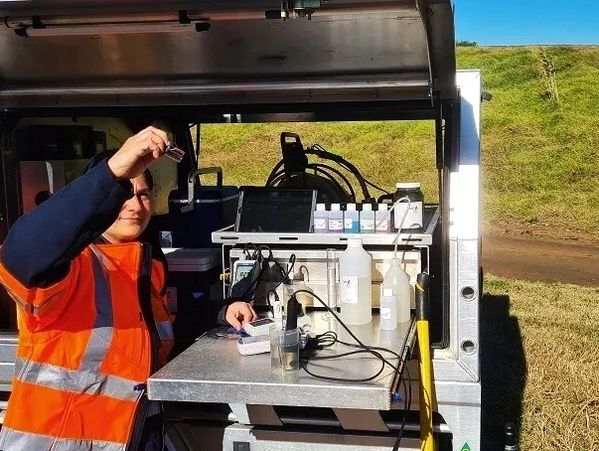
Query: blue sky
519, 22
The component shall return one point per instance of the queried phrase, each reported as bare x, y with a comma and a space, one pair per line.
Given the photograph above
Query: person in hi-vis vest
93, 322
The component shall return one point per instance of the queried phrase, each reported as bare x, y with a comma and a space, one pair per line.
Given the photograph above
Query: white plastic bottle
398, 282
351, 219
321, 219
367, 219
335, 219
355, 290
383, 219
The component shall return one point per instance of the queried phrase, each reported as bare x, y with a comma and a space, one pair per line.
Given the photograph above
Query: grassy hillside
540, 140
540, 135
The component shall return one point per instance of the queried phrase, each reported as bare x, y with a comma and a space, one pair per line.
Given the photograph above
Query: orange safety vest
85, 351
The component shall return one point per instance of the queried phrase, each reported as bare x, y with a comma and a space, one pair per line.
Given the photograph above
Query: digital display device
242, 268
265, 209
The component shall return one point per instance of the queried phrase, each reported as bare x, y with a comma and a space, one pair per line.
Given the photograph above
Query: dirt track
553, 261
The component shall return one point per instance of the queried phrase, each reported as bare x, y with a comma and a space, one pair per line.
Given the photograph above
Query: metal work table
419, 237
212, 370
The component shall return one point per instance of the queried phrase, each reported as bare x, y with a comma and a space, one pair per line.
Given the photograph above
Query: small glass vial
321, 219
335, 219
367, 219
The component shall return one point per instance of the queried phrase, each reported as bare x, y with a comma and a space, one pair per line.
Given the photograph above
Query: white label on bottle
349, 223
383, 226
320, 224
349, 289
336, 225
413, 218
367, 224
386, 313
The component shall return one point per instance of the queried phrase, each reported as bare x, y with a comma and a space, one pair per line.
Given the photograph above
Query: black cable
343, 379
255, 281
328, 333
345, 327
363, 347
407, 407
321, 341
252, 286
407, 390
272, 174
277, 178
316, 167
368, 182
404, 345
372, 350
371, 347
339, 174
321, 151
281, 176
281, 271
383, 197
326, 339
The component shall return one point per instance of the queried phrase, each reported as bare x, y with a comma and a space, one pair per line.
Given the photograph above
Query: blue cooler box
194, 217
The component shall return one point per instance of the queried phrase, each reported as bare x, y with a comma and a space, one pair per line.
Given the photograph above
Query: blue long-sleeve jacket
41, 243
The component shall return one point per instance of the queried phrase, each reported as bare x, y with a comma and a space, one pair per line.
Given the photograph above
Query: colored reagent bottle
351, 219
321, 219
398, 282
367, 219
335, 219
355, 291
383, 219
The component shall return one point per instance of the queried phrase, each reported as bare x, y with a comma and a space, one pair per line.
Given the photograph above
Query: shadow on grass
503, 370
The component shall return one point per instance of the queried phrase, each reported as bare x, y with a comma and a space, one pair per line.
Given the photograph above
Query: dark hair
105, 155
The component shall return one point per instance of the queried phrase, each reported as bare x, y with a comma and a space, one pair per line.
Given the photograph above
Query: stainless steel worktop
212, 370
418, 237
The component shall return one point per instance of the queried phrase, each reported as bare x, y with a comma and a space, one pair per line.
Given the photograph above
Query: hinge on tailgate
292, 9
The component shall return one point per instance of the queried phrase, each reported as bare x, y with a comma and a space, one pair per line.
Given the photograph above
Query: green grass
540, 156
248, 152
540, 140
540, 364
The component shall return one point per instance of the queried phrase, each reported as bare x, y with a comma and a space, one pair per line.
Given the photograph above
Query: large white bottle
355, 295
396, 283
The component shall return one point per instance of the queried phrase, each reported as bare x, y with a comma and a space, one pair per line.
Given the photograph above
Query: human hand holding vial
174, 153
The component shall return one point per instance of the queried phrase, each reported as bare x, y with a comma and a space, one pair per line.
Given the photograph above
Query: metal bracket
361, 420
263, 415
299, 8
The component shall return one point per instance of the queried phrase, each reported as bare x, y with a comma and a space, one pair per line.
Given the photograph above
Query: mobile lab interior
77, 78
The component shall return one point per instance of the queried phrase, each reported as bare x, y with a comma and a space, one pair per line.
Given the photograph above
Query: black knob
511, 437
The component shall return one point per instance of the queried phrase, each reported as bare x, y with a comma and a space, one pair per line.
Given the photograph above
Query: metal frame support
457, 367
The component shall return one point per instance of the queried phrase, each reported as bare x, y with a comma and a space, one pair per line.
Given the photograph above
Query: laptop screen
265, 209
